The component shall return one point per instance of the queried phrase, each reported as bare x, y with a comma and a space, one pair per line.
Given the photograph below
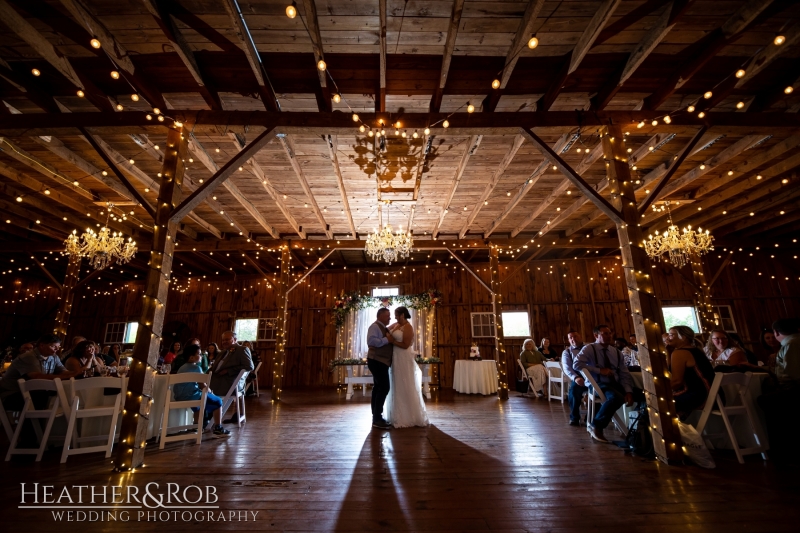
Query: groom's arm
375, 339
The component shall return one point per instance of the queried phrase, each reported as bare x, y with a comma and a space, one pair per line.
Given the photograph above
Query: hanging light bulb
740, 105
19, 198
291, 11
135, 97
496, 84
119, 107
789, 90
640, 125
362, 128
157, 111
321, 65
35, 72
95, 43
779, 40
707, 95
668, 119
740, 73
415, 134
370, 133
701, 114
533, 42
337, 98
446, 124
115, 74
690, 109
161, 118
81, 94
427, 131
470, 108
148, 116
47, 192
355, 117
655, 122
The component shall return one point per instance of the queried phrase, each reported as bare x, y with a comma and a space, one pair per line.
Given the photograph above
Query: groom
379, 359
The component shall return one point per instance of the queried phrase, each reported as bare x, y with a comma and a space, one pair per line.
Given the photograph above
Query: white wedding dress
404, 406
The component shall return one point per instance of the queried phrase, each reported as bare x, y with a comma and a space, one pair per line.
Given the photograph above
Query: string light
35, 72
81, 94
789, 90
740, 73
291, 11
739, 105
135, 97
337, 98
470, 108
95, 43
533, 42
115, 74
321, 65
690, 109
779, 40
707, 95
496, 84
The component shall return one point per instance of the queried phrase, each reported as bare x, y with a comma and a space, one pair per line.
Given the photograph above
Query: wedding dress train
404, 406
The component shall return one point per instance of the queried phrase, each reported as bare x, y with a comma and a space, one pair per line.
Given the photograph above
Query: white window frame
387, 288
719, 316
489, 323
696, 315
122, 330
267, 329
528, 319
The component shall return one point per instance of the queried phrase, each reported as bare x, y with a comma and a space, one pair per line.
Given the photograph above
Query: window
121, 332
725, 315
246, 329
515, 324
681, 316
482, 325
267, 328
385, 291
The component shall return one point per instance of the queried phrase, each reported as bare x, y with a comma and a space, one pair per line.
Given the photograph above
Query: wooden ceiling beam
472, 145
769, 97
288, 146
521, 38
259, 173
333, 149
766, 210
769, 53
447, 55
309, 122
791, 215
495, 179
266, 91
708, 47
380, 100
158, 9
648, 43
312, 23
31, 90
585, 164
116, 51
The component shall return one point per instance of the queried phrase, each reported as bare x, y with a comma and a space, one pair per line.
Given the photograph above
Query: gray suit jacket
234, 360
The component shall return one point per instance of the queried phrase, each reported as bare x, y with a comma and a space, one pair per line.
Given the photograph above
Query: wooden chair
595, 396
531, 386
29, 411
75, 412
237, 396
169, 403
738, 382
254, 384
556, 376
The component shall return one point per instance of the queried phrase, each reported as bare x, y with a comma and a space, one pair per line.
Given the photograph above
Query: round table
475, 377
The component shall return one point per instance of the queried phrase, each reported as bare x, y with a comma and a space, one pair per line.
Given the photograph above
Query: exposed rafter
324, 94
447, 55
380, 100
472, 145
288, 147
98, 30
333, 148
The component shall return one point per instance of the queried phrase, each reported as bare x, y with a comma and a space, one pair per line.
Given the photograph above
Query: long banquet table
475, 377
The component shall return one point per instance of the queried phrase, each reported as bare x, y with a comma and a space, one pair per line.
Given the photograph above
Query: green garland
353, 301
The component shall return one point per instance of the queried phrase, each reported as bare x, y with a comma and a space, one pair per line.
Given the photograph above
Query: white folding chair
595, 396
254, 383
531, 386
75, 412
169, 403
737, 404
29, 411
235, 395
556, 376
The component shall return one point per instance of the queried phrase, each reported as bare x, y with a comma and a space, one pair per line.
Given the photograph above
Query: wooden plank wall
559, 295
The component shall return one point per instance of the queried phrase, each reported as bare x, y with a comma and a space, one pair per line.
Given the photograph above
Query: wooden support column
282, 298
141, 377
705, 311
497, 308
645, 307
67, 293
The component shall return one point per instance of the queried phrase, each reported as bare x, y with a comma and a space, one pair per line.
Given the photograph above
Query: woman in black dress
691, 371
546, 351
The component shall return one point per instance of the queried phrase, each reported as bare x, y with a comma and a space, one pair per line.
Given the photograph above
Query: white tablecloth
475, 377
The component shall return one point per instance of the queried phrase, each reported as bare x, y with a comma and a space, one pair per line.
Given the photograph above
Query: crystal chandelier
389, 245
100, 248
678, 244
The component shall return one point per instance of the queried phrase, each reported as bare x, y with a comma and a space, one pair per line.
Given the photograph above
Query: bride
404, 406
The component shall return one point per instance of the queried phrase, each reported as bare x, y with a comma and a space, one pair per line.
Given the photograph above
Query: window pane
246, 329
130, 332
515, 324
385, 291
681, 316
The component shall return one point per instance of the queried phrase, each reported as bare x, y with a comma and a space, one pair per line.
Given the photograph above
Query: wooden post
497, 307
67, 293
141, 377
282, 298
705, 310
645, 307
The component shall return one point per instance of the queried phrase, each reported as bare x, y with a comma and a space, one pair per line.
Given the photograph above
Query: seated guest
546, 351
781, 403
185, 392
665, 340
39, 363
256, 359
691, 373
577, 387
607, 366
735, 339
720, 350
212, 350
232, 359
111, 356
25, 348
534, 361
172, 353
181, 358
82, 357
632, 342
622, 345
769, 348
75, 341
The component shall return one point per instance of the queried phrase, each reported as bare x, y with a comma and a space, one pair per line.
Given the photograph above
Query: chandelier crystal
389, 245
100, 248
678, 244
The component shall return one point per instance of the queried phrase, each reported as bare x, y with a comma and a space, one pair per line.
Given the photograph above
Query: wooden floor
313, 463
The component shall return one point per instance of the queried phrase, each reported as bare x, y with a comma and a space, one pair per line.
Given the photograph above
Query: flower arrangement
427, 360
346, 362
353, 301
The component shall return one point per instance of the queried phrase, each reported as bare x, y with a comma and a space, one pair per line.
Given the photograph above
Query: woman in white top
720, 350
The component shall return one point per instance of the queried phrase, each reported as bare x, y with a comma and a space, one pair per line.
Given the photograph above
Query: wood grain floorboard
313, 463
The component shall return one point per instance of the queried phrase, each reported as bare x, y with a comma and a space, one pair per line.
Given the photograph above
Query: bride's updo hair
402, 311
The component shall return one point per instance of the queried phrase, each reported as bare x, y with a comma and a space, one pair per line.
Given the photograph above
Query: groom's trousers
380, 387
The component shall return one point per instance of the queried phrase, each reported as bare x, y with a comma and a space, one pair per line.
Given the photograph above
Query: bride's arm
408, 337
